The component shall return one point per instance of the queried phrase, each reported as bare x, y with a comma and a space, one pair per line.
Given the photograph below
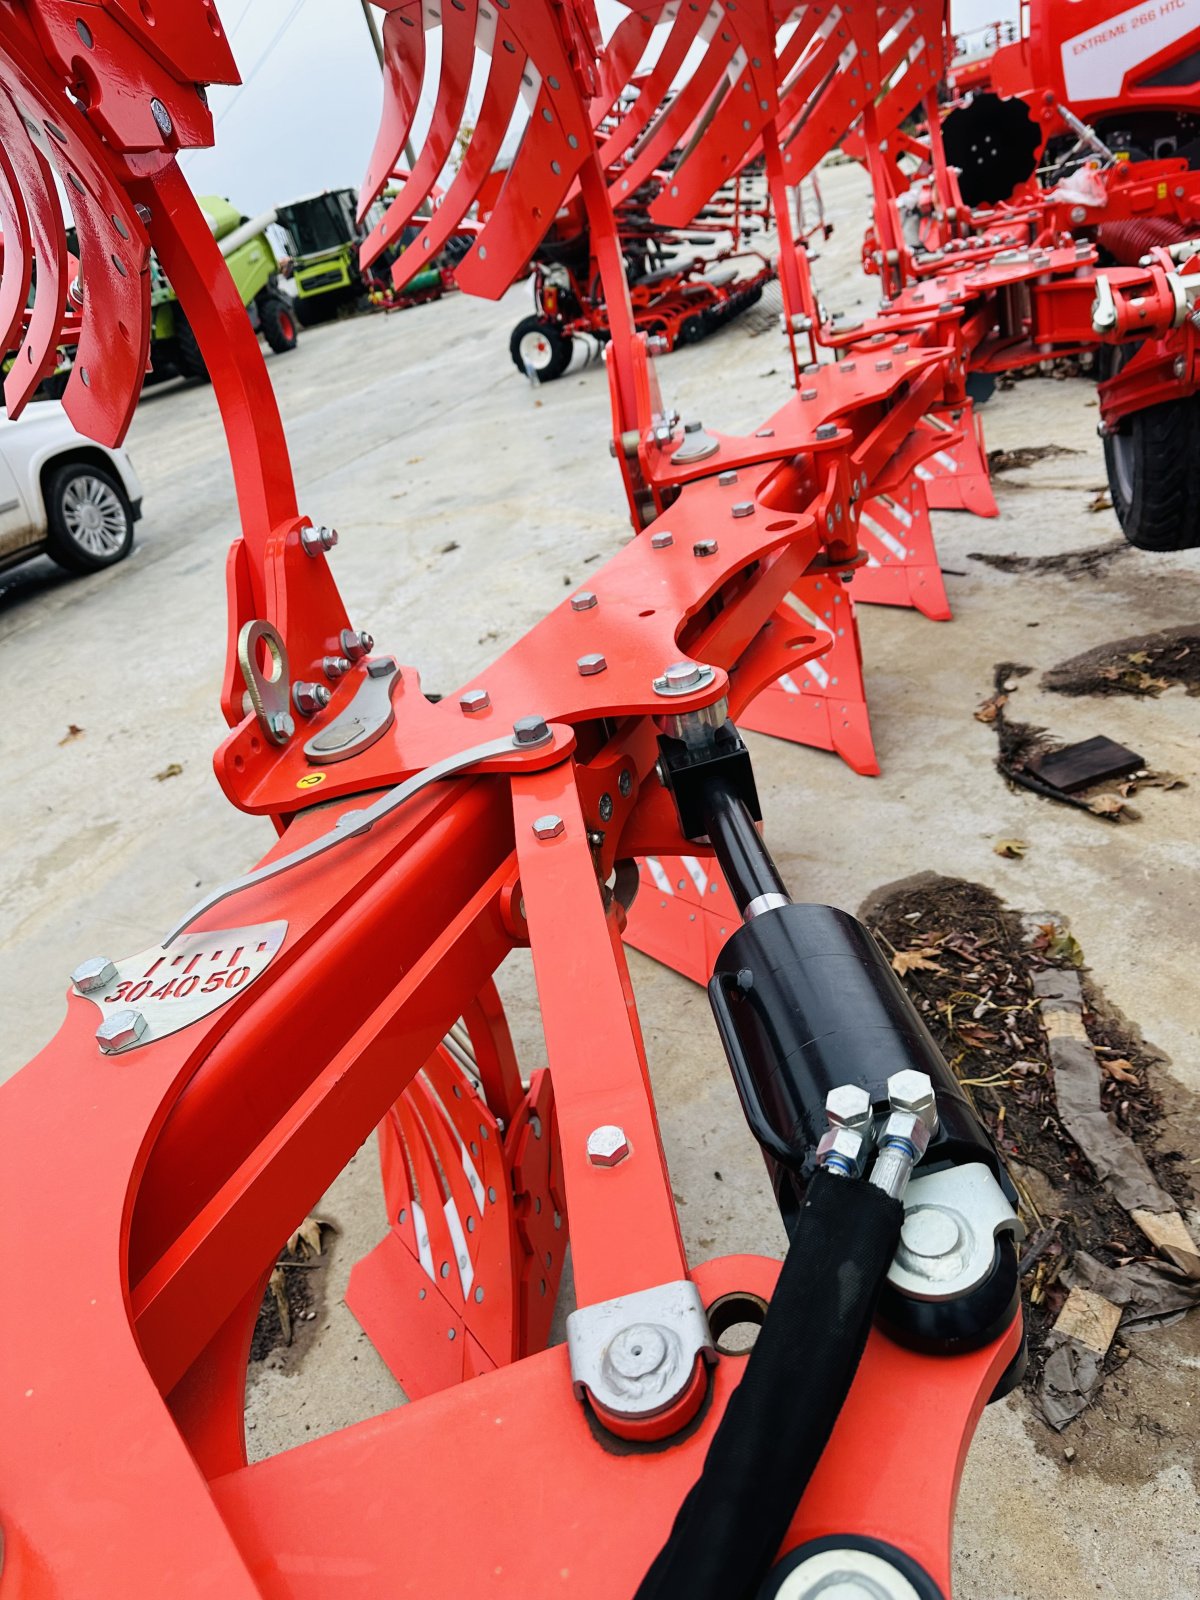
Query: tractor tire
1153, 466
186, 357
541, 345
277, 320
312, 310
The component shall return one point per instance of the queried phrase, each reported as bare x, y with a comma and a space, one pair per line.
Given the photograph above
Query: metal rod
752, 876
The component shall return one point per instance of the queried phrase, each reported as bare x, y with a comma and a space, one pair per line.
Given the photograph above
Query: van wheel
90, 520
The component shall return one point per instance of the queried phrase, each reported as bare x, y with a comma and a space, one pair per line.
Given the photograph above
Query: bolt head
607, 1145
474, 700
625, 783
162, 118
120, 1031
590, 665
913, 1091
848, 1145
764, 433
726, 478
848, 1106
662, 540
283, 724
808, 394
583, 601
682, 675
693, 426
606, 807
743, 508
97, 972
908, 1125
549, 826
705, 547
530, 731
827, 430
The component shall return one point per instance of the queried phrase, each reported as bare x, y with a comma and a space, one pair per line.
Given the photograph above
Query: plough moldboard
202, 1095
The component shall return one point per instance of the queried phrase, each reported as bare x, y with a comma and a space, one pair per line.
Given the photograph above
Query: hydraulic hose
780, 1416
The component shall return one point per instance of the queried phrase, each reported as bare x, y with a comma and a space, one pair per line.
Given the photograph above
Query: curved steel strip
504, 81
16, 272
25, 142
620, 58
403, 74
671, 128
687, 24
458, 58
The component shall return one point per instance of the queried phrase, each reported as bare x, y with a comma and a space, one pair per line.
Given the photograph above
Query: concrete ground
466, 502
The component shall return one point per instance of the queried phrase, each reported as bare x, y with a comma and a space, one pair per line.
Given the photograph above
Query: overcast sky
305, 116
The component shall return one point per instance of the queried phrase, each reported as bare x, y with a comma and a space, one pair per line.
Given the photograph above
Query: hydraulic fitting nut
912, 1091
848, 1106
843, 1151
906, 1128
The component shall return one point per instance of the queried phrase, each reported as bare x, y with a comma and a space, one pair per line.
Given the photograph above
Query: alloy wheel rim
94, 516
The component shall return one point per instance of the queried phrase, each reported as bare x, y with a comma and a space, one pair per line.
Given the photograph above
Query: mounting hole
781, 527
649, 613
734, 1320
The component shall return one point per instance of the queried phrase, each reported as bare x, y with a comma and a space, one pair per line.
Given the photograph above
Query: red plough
200, 1096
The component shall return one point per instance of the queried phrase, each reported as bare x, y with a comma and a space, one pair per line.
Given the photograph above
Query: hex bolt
743, 508
530, 731
808, 394
336, 666
120, 1031
661, 540
913, 1091
606, 807
590, 665
848, 1106
726, 478
316, 541
474, 700
97, 972
607, 1145
356, 645
827, 430
705, 547
848, 366
549, 826
283, 724
383, 668
625, 783
764, 433
309, 698
162, 118
694, 426
583, 601
883, 366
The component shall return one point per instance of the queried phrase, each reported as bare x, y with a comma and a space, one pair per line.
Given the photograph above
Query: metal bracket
635, 1355
948, 1240
363, 722
269, 692
157, 992
352, 824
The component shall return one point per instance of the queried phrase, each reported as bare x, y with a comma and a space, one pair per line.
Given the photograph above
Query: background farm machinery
204, 1092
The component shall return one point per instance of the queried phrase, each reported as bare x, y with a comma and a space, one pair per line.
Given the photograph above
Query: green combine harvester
251, 260
323, 241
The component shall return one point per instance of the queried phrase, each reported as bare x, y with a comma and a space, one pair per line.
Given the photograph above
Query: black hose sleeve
780, 1416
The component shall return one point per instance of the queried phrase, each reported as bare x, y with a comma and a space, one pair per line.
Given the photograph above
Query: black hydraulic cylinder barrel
744, 858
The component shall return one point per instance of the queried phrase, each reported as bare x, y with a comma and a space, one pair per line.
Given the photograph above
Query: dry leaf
990, 709
72, 732
1101, 502
1139, 658
915, 960
1121, 1070
278, 1287
1106, 805
1061, 944
1013, 849
1161, 780
172, 771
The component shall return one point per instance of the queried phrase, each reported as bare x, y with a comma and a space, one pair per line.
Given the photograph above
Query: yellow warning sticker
1162, 191
311, 780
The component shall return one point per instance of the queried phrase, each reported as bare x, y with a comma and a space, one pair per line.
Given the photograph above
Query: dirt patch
294, 1294
1026, 456
1090, 562
967, 962
1144, 664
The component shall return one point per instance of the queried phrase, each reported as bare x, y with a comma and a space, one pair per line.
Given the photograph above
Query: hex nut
607, 1145
120, 1031
315, 541
913, 1091
583, 601
549, 826
336, 666
97, 972
848, 1106
309, 698
474, 700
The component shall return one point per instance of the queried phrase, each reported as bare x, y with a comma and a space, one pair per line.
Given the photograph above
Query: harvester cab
174, 349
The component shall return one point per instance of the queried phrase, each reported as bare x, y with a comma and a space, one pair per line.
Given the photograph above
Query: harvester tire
312, 310
277, 320
543, 345
1153, 465
187, 360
